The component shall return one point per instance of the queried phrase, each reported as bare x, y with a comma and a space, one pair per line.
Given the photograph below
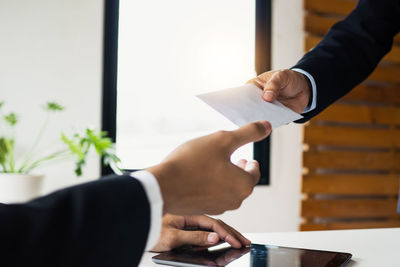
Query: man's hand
289, 87
199, 178
199, 230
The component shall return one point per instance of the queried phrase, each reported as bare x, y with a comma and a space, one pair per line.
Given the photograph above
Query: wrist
157, 173
161, 173
303, 85
308, 91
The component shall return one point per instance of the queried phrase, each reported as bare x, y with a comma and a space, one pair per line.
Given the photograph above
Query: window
168, 52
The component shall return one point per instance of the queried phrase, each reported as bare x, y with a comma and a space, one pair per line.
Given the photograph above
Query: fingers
258, 82
208, 223
197, 238
224, 231
251, 132
238, 235
272, 82
278, 81
253, 168
242, 163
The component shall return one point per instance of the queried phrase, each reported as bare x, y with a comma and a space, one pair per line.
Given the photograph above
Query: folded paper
244, 104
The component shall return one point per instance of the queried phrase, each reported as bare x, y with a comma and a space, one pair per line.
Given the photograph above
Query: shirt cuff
153, 193
398, 204
313, 87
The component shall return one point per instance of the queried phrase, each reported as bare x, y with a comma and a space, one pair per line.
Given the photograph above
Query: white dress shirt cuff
313, 87
153, 193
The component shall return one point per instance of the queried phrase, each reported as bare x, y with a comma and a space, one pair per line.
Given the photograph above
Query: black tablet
254, 256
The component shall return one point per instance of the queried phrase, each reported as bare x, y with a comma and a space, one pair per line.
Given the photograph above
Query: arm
93, 224
345, 57
106, 222
351, 50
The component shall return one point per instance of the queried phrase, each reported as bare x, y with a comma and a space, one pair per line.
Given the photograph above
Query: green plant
78, 146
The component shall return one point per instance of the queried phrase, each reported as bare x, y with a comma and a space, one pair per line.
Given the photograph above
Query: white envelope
244, 104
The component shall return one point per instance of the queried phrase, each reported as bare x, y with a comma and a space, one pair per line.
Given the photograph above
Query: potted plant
18, 182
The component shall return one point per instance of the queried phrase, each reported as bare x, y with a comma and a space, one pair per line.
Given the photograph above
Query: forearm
351, 50
104, 222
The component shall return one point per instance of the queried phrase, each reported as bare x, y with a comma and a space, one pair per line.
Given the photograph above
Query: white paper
244, 104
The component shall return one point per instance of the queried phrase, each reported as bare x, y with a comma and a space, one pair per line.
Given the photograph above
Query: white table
370, 248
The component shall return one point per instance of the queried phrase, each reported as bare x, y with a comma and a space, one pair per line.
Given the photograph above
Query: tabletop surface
371, 247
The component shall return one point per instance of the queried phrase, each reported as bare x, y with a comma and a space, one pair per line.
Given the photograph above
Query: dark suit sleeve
351, 50
101, 223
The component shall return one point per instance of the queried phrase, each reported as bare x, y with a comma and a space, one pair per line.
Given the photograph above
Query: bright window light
170, 51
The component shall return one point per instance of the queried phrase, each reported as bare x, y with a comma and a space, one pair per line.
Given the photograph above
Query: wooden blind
351, 152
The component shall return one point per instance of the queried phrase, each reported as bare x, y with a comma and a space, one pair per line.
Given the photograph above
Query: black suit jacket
351, 50
101, 223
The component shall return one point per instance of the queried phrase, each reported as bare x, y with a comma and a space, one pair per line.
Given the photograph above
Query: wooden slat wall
351, 153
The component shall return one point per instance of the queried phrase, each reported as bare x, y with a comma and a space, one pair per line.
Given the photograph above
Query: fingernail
212, 238
266, 125
268, 94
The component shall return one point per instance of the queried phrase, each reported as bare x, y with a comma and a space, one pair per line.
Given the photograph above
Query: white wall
52, 50
277, 207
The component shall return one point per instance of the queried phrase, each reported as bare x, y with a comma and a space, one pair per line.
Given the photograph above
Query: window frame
261, 150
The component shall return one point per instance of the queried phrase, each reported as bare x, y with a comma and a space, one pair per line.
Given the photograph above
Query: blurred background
170, 51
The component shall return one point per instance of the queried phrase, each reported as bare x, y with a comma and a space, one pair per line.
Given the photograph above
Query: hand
174, 235
199, 178
289, 87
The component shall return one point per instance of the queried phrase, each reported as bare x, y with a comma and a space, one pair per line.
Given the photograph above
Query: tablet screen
255, 256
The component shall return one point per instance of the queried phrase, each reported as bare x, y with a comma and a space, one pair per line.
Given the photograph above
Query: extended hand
289, 87
199, 178
204, 231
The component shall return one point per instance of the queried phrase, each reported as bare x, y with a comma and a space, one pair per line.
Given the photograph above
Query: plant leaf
74, 145
7, 154
80, 145
11, 118
99, 140
53, 106
3, 150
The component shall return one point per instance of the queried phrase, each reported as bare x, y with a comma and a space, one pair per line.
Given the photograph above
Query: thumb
197, 238
277, 81
251, 132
